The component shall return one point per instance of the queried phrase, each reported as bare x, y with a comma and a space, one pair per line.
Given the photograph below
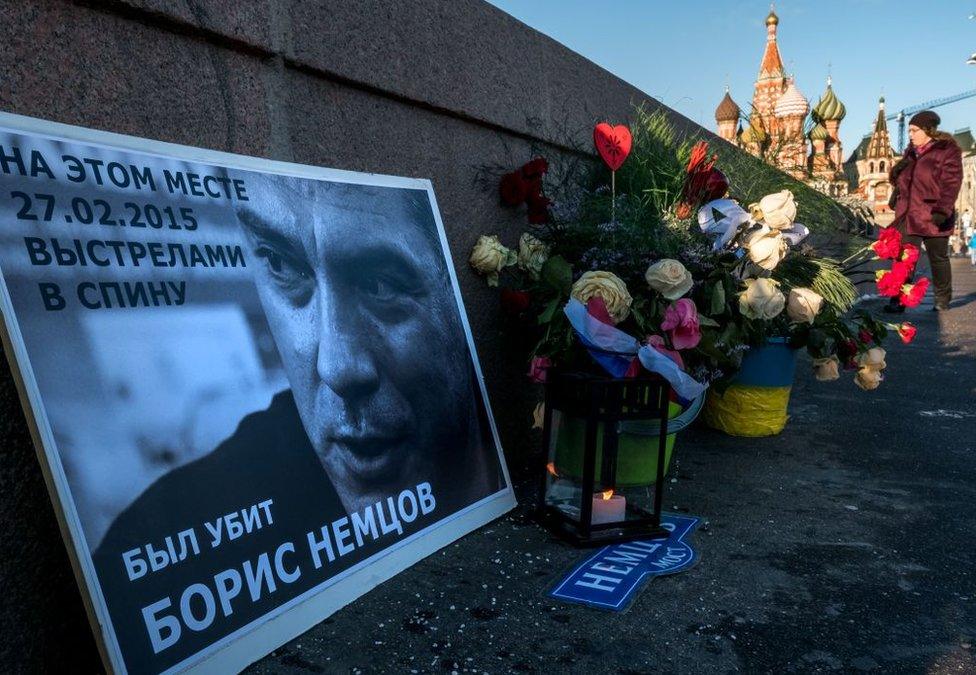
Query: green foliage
822, 275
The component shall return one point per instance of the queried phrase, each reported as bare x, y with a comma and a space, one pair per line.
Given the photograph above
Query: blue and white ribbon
615, 351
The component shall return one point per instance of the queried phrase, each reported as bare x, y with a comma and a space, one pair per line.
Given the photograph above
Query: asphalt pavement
846, 543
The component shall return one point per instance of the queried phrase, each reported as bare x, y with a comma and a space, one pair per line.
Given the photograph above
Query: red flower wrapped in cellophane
703, 182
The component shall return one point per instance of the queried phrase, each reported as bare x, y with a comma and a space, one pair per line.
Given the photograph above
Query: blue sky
683, 52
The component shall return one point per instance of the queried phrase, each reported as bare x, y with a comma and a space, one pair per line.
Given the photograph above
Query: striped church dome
792, 103
819, 133
829, 107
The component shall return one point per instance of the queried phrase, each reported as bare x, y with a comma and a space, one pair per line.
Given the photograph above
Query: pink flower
681, 322
657, 342
538, 368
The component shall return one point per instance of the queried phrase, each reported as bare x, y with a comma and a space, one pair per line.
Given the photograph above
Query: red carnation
912, 294
902, 269
538, 211
889, 283
514, 301
907, 332
513, 189
864, 335
535, 168
888, 245
909, 254
532, 173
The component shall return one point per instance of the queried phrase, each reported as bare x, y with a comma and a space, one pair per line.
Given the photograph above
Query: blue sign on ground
610, 578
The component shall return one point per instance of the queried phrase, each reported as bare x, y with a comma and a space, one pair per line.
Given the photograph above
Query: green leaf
707, 321
558, 273
550, 311
718, 298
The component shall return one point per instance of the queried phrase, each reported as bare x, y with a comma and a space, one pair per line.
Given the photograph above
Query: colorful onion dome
727, 110
829, 108
819, 133
791, 103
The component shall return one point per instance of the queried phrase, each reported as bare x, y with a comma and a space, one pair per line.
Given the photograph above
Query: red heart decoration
613, 143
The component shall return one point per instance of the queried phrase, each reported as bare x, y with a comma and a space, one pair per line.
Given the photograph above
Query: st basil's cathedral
777, 130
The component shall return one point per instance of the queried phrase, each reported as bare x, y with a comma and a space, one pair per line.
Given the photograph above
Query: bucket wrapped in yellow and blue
755, 403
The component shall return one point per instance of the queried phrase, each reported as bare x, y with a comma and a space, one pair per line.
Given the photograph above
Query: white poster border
289, 620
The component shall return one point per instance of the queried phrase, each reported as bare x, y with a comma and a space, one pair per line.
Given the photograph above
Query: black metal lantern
606, 443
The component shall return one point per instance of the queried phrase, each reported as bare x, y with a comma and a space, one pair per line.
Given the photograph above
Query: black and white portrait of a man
382, 395
253, 385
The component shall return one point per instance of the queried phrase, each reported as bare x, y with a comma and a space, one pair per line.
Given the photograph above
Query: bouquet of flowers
669, 271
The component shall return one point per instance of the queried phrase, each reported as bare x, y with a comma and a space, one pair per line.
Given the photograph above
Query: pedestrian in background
972, 249
927, 182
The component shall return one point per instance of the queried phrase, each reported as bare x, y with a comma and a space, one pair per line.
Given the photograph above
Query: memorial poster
252, 385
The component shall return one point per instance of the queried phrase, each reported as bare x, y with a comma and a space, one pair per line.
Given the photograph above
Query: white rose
827, 369
873, 358
608, 286
777, 210
766, 247
539, 416
669, 278
532, 254
489, 257
803, 305
761, 299
867, 378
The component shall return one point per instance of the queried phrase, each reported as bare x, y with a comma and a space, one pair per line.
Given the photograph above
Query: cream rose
669, 278
873, 358
761, 299
777, 210
826, 370
867, 378
608, 286
489, 257
766, 247
532, 254
803, 305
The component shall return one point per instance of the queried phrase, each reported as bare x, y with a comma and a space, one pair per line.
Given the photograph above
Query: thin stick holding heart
613, 145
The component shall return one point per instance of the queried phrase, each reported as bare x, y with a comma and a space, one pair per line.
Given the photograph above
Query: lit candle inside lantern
608, 508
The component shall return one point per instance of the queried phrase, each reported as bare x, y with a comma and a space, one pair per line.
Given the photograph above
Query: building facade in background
869, 167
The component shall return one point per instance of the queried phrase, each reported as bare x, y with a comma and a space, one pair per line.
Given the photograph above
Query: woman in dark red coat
927, 182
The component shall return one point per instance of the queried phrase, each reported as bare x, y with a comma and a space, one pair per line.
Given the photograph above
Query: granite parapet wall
424, 88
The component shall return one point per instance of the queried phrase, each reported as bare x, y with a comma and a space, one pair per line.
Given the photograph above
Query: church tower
873, 166
830, 112
727, 118
788, 141
771, 82
827, 158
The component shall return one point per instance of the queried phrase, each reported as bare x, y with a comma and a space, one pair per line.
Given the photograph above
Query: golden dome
772, 19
